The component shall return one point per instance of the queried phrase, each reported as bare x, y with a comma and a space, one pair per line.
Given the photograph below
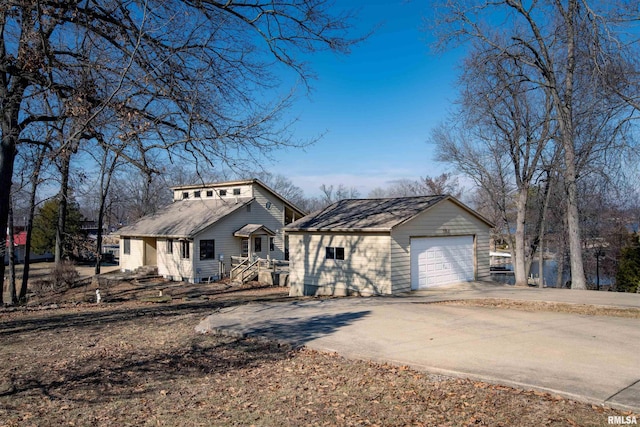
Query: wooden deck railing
244, 269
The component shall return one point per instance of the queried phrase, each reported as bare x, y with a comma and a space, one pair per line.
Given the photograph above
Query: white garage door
437, 261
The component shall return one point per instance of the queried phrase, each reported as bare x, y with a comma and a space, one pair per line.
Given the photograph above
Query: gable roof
184, 218
365, 214
250, 229
372, 214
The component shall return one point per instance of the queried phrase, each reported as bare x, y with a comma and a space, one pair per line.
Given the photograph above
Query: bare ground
129, 362
558, 307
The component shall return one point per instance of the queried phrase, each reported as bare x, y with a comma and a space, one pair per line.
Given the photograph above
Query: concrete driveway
589, 358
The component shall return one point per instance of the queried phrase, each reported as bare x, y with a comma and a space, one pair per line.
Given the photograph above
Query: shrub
628, 275
63, 276
40, 287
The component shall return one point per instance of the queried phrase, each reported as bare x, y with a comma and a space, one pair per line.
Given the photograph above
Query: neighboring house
19, 243
194, 238
386, 246
90, 228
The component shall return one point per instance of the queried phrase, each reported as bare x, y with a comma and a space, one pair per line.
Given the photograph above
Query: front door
258, 246
150, 256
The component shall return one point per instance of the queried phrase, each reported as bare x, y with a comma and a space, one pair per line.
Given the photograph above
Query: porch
271, 271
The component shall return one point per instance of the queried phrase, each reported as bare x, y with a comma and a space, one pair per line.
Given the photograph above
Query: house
20, 244
387, 246
194, 238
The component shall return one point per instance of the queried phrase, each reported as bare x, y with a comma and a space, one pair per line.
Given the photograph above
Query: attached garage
387, 246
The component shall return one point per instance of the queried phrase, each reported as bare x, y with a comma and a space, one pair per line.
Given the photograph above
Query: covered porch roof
251, 229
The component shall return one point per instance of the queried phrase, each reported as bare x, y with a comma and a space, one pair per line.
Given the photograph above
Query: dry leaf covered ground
128, 362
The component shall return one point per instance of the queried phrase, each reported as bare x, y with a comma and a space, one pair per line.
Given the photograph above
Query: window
236, 191
209, 193
184, 249
169, 246
196, 194
334, 253
245, 247
223, 193
185, 195
126, 246
207, 249
272, 244
257, 244
330, 253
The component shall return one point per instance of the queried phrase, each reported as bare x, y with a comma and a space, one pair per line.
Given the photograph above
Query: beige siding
172, 265
206, 268
267, 209
245, 191
365, 269
229, 245
135, 258
444, 219
272, 218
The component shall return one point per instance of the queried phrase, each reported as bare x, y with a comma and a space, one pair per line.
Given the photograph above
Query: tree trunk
35, 180
62, 206
13, 299
543, 222
578, 279
10, 134
99, 235
520, 261
541, 261
560, 255
105, 183
99, 239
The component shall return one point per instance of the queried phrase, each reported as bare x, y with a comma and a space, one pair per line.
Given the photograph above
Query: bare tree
282, 185
186, 77
34, 181
108, 163
400, 188
487, 165
135, 193
561, 45
445, 183
331, 194
513, 117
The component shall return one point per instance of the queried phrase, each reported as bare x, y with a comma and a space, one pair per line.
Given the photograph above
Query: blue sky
376, 105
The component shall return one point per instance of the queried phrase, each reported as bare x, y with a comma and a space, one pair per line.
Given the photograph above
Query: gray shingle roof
249, 229
365, 214
184, 218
